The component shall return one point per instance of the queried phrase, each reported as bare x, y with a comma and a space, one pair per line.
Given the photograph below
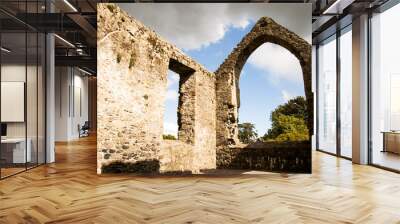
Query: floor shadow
145, 167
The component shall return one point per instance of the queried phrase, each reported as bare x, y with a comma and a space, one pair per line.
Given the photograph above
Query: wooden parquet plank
70, 191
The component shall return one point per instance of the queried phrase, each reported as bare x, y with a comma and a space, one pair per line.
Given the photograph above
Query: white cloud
193, 26
286, 96
172, 86
171, 128
172, 79
171, 95
277, 62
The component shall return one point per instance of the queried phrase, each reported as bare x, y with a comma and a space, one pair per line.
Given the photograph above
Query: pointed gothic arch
265, 30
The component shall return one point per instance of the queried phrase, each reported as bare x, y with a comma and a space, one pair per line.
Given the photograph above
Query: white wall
80, 109
33, 126
9, 73
71, 102
62, 82
16, 73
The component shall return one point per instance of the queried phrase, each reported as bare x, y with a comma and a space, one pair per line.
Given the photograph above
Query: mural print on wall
133, 66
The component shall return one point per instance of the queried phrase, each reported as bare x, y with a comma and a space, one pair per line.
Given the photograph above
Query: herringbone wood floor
69, 191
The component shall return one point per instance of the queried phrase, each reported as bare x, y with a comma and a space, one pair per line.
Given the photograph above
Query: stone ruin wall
133, 62
132, 82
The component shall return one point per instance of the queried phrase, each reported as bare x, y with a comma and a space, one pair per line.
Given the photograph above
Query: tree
294, 107
289, 122
247, 133
288, 128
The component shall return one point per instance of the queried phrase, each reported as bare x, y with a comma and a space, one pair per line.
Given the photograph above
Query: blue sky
260, 90
209, 32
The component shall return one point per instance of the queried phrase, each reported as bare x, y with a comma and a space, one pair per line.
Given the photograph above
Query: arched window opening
271, 101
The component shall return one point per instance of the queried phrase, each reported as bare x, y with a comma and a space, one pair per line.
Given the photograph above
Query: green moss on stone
132, 61
111, 8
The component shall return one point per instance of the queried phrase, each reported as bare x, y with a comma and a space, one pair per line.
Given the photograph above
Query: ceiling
74, 21
332, 15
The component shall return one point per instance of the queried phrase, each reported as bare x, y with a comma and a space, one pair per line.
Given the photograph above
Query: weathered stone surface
228, 74
132, 82
177, 156
292, 157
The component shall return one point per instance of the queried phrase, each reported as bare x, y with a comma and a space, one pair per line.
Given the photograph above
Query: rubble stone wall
293, 157
133, 62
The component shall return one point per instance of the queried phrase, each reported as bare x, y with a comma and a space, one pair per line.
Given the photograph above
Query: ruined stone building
132, 82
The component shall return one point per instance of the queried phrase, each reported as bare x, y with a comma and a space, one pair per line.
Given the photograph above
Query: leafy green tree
247, 133
289, 122
294, 107
288, 128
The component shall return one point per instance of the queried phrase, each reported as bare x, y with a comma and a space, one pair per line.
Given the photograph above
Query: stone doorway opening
185, 95
170, 131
